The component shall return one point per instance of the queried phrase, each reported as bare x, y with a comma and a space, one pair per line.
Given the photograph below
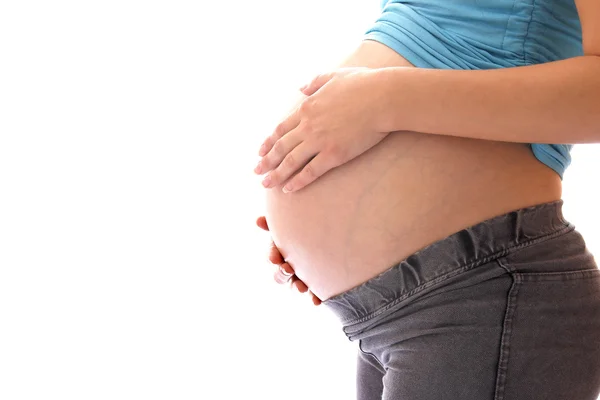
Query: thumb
316, 84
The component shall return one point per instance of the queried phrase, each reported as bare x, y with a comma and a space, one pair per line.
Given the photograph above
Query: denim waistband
473, 246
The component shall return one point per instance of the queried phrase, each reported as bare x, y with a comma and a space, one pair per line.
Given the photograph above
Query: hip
515, 298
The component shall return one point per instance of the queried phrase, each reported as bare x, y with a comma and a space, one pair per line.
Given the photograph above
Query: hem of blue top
405, 51
399, 48
548, 159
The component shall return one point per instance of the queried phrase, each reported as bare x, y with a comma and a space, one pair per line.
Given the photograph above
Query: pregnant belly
405, 193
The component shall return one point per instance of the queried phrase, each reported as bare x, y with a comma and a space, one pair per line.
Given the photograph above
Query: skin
356, 221
456, 100
350, 110
284, 272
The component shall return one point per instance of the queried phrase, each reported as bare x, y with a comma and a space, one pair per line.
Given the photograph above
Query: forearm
557, 102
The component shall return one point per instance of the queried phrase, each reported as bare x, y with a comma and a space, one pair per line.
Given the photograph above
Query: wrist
388, 94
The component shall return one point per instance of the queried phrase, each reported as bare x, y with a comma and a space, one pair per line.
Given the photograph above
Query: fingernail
267, 181
284, 272
287, 189
258, 168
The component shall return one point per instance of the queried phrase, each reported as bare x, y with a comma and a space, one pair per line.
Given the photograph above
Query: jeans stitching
369, 354
504, 352
475, 263
424, 286
541, 277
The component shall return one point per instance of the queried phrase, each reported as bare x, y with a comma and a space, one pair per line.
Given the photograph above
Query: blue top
484, 34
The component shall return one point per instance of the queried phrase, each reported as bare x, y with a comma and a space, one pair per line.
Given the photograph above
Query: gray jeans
508, 309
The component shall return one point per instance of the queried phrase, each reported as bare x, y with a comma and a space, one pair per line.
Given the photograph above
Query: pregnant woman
416, 192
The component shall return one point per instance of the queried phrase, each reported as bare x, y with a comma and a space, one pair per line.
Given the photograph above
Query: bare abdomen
408, 191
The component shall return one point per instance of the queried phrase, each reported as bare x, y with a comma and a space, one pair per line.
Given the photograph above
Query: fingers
316, 301
276, 258
282, 273
311, 171
283, 128
281, 151
299, 285
317, 82
261, 222
291, 164
285, 273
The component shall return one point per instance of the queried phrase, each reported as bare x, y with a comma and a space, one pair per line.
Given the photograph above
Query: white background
130, 265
